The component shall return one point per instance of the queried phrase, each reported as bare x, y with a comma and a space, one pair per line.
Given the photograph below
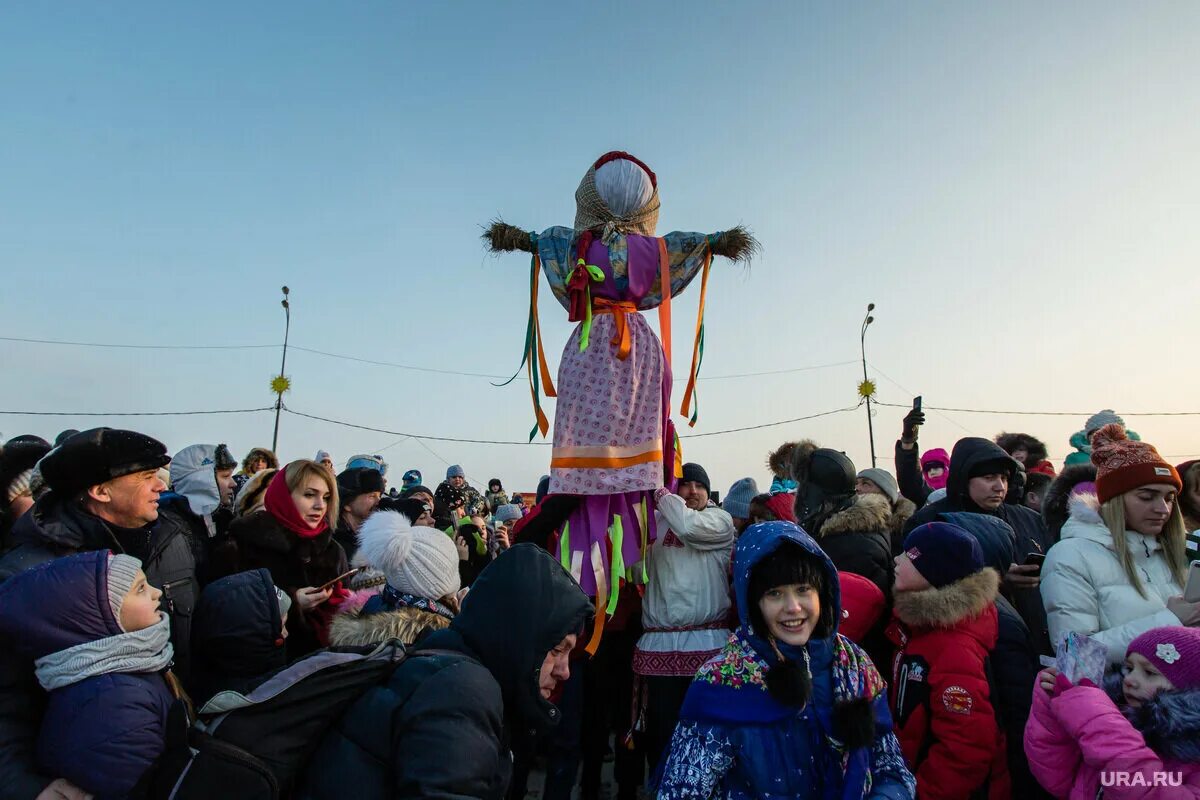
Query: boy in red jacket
944, 626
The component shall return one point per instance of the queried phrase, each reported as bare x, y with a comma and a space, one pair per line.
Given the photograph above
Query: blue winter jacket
736, 741
104, 732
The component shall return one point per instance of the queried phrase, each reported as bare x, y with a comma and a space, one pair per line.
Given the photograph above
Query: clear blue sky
1015, 185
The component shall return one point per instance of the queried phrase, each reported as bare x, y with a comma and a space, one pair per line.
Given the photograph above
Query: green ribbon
645, 520
564, 547
596, 274
616, 535
696, 387
530, 353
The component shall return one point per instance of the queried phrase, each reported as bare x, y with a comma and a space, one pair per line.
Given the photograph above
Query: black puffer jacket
294, 562
1014, 658
1028, 527
857, 539
236, 634
52, 529
468, 684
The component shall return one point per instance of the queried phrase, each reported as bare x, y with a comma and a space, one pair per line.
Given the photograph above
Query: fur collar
791, 459
868, 513
946, 607
1169, 721
901, 513
354, 628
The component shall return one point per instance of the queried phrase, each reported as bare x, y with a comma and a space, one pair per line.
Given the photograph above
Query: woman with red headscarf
292, 537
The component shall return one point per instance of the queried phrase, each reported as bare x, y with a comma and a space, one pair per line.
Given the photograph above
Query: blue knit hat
508, 513
943, 553
737, 499
455, 471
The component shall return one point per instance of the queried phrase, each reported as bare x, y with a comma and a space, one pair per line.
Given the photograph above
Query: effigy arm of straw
736, 244
504, 238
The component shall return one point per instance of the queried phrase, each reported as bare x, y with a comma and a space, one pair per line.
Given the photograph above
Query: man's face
129, 501
225, 484
866, 486
424, 496
1033, 500
556, 667
694, 495
361, 507
988, 491
458, 481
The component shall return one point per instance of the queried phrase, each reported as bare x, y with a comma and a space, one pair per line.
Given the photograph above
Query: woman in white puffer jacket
1120, 566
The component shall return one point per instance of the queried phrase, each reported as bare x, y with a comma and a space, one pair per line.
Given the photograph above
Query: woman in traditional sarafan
614, 443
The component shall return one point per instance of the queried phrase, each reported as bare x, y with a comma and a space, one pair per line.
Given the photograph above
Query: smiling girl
293, 538
1119, 569
1144, 729
789, 708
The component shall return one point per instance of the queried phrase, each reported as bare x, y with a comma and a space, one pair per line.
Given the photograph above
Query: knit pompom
1108, 435
854, 723
789, 683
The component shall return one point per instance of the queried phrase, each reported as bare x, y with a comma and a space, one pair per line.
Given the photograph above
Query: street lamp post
287, 311
862, 341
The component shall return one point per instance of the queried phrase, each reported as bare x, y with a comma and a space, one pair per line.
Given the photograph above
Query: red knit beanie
1123, 464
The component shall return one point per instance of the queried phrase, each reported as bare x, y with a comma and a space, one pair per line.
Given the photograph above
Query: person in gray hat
737, 502
881, 482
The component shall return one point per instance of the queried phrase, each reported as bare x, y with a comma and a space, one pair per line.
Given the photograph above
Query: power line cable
376, 362
418, 437
143, 346
1048, 413
134, 413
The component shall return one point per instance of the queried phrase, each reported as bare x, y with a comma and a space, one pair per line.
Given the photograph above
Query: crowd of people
845, 633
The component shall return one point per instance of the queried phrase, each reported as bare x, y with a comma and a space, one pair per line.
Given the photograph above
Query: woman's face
257, 464
791, 612
426, 518
312, 500
1147, 508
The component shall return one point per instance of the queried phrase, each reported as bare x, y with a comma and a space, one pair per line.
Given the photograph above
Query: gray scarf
147, 650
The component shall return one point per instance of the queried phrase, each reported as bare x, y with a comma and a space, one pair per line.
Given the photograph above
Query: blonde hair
298, 472
250, 498
1172, 539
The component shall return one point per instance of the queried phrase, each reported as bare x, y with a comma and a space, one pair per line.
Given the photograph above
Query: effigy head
618, 195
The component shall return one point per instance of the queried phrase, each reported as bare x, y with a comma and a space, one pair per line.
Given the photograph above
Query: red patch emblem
957, 700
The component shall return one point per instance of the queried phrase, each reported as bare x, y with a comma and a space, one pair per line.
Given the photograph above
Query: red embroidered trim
671, 663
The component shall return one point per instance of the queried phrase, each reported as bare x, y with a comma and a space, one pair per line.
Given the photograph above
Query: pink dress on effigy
614, 444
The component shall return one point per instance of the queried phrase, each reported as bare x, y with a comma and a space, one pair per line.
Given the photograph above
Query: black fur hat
1011, 442
98, 455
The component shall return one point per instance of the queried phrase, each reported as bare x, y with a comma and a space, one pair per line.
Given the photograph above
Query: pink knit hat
1123, 464
1174, 651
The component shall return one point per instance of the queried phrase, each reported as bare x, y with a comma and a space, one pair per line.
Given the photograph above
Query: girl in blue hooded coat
101, 648
789, 708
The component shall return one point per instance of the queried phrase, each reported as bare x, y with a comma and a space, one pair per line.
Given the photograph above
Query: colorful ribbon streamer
697, 346
540, 375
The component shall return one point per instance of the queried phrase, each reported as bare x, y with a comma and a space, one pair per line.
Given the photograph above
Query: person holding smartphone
292, 537
1120, 568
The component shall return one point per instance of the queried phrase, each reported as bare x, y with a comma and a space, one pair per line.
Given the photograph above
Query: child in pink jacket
1142, 742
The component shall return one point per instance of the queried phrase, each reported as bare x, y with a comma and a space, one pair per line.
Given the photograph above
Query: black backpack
253, 745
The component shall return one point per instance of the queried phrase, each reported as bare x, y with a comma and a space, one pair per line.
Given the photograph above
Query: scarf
393, 600
279, 503
731, 689
147, 650
592, 213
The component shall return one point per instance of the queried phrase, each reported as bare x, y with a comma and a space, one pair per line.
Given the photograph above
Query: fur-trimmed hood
1054, 506
353, 628
1169, 721
780, 460
948, 606
867, 513
902, 511
1035, 447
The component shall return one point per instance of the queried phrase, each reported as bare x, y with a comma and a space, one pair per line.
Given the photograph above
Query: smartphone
1191, 592
342, 577
1035, 559
917, 402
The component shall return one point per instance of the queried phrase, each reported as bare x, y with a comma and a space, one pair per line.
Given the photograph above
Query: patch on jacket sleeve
957, 700
912, 687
